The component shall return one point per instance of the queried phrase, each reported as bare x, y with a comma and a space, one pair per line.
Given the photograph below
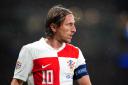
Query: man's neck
54, 43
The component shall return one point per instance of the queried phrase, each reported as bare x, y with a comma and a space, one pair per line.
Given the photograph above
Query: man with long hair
52, 60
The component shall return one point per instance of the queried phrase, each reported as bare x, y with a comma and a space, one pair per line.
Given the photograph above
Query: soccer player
52, 60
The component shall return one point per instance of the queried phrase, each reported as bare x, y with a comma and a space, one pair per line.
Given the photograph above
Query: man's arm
85, 80
16, 82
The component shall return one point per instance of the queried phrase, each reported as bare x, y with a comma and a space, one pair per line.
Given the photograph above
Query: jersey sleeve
23, 65
80, 69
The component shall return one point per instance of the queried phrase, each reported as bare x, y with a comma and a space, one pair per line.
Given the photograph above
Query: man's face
66, 30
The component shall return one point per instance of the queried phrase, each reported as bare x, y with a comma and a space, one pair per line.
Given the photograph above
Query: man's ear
53, 27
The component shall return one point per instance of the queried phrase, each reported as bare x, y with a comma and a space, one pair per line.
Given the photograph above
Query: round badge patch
18, 64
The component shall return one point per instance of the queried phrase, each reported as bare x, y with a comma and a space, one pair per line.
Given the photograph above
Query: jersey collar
47, 45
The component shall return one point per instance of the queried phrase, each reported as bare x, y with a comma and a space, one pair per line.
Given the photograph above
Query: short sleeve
23, 65
81, 59
80, 69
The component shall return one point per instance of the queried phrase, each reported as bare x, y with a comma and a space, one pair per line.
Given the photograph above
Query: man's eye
70, 24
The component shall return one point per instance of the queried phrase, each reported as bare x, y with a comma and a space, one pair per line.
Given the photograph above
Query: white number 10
47, 77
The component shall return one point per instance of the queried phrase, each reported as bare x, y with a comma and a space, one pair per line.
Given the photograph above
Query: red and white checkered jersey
40, 64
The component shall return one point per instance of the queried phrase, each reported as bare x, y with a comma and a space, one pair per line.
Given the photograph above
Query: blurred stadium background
102, 35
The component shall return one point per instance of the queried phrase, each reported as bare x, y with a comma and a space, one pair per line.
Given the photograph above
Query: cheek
61, 33
64, 31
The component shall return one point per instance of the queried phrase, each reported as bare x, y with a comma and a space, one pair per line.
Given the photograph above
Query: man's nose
73, 28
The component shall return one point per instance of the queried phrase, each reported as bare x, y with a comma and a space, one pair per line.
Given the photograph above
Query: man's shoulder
71, 46
70, 50
34, 44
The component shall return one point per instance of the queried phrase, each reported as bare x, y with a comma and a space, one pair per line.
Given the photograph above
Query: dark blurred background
102, 35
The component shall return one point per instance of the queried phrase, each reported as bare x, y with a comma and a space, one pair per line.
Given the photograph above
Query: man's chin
68, 41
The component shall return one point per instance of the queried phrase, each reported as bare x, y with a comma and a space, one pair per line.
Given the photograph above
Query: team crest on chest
71, 64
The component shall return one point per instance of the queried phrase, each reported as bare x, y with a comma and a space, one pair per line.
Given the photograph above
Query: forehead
69, 18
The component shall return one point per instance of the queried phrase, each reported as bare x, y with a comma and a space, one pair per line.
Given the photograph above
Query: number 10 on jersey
47, 77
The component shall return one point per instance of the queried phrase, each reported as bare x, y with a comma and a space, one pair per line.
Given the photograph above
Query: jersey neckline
50, 47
